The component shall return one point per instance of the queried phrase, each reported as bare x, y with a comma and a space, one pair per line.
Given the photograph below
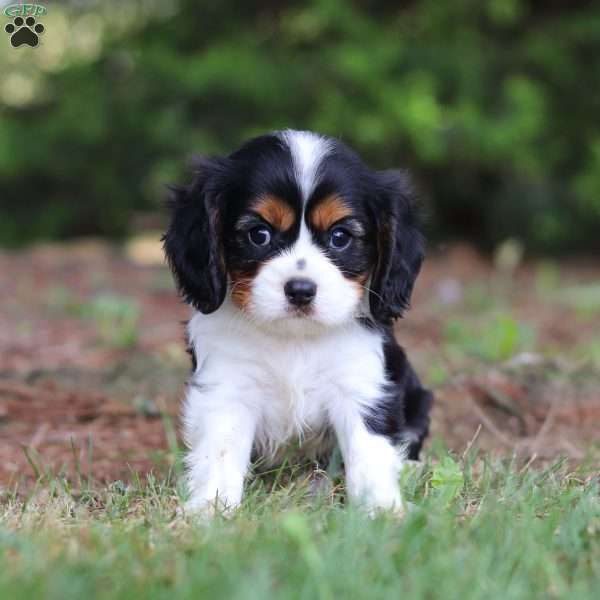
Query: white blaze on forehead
308, 151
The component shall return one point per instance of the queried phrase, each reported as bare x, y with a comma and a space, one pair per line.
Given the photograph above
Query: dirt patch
533, 414
48, 427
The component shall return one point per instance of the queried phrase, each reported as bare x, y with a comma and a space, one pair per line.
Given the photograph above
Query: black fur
403, 413
192, 353
193, 241
400, 247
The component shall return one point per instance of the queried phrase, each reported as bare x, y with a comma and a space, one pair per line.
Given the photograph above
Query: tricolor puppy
297, 259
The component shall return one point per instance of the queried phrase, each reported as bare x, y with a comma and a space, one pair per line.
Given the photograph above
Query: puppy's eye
339, 239
260, 236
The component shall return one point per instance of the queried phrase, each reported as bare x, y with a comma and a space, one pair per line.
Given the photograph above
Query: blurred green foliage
495, 338
116, 317
447, 479
493, 104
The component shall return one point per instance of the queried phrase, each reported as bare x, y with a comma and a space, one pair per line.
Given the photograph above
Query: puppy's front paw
396, 509
375, 492
381, 499
207, 507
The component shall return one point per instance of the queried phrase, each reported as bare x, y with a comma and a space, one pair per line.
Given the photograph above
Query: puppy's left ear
401, 247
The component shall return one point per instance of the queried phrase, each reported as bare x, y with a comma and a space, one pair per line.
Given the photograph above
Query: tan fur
359, 283
328, 212
241, 289
276, 212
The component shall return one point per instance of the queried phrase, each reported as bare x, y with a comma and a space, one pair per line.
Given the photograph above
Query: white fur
256, 389
336, 302
308, 151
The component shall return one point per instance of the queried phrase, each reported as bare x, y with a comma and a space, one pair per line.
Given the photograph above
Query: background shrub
493, 104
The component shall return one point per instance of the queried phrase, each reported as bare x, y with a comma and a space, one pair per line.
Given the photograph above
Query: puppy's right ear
193, 244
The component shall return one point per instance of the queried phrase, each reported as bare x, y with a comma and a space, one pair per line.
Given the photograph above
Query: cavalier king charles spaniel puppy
297, 258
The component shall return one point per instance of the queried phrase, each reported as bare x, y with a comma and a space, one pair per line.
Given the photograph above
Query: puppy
297, 258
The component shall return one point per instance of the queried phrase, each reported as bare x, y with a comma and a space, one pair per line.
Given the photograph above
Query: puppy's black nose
300, 291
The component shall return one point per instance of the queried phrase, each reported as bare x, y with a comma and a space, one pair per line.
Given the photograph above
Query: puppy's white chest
293, 386
293, 403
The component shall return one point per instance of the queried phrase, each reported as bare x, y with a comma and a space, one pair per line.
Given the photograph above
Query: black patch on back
403, 412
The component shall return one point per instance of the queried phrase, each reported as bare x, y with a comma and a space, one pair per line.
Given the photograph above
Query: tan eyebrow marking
275, 211
329, 211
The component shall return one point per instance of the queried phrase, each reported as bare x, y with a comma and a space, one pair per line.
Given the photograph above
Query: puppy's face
298, 231
287, 262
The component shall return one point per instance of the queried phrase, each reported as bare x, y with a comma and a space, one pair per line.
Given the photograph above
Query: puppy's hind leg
417, 406
406, 411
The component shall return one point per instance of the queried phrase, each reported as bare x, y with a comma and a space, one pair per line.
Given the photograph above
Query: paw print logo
24, 32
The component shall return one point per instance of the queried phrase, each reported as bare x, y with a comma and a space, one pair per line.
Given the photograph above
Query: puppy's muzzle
300, 291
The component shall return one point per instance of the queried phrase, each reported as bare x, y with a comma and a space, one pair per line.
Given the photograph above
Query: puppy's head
298, 231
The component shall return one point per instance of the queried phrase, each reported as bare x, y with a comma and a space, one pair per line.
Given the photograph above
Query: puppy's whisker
365, 287
371, 291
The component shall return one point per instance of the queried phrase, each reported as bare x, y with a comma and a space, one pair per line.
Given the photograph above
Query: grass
477, 528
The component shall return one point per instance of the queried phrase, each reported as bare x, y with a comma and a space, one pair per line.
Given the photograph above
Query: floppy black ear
193, 244
400, 247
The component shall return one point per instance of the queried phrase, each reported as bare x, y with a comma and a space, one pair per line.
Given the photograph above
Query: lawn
475, 529
505, 505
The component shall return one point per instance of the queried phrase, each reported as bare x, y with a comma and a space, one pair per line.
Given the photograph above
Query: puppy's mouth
300, 312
